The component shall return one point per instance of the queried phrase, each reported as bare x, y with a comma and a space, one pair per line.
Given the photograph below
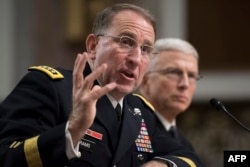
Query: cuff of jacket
169, 162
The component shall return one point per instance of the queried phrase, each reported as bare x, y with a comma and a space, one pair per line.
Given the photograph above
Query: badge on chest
143, 143
87, 145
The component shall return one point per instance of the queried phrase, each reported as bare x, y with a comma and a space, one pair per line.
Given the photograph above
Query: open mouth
128, 74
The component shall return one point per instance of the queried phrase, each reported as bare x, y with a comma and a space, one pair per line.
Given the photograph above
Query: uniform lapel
107, 116
130, 129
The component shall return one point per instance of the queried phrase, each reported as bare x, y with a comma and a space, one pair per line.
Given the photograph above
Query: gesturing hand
84, 97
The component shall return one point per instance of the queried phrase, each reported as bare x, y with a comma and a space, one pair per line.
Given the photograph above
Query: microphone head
217, 104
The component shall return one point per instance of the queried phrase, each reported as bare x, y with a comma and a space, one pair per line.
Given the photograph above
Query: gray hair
165, 44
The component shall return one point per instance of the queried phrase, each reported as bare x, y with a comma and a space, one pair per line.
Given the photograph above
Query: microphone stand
220, 107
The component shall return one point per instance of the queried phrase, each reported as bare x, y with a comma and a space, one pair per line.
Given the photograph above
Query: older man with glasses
170, 82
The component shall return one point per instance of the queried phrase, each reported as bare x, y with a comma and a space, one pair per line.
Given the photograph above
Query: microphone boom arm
220, 107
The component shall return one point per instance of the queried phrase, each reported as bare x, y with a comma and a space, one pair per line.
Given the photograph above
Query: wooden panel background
221, 32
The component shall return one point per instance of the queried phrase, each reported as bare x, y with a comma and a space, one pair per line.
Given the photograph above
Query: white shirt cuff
71, 152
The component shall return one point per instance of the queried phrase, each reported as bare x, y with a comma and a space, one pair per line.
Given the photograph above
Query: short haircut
171, 44
105, 17
176, 44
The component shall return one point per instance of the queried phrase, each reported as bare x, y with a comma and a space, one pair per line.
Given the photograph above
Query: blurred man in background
170, 83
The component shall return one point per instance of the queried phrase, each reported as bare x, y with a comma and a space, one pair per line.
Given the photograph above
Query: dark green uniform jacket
33, 120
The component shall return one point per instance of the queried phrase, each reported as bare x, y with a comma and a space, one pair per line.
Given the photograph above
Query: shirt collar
114, 102
167, 125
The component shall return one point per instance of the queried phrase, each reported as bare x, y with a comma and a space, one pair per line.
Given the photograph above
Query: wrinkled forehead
131, 15
167, 57
132, 24
173, 54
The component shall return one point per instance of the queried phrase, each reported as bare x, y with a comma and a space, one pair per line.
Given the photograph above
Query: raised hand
84, 97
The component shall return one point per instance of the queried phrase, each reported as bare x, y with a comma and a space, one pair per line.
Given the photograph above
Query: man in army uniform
174, 72
55, 117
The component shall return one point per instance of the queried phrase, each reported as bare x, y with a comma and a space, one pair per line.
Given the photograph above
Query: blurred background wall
51, 32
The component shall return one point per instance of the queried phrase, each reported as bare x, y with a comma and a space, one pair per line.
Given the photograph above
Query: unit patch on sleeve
51, 72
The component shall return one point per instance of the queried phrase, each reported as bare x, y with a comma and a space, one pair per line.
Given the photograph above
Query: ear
91, 43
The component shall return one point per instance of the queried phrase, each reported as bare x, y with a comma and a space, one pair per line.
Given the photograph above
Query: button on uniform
140, 157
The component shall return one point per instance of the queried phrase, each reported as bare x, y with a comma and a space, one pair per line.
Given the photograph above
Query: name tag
87, 145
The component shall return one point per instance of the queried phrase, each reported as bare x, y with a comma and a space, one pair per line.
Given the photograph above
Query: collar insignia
137, 111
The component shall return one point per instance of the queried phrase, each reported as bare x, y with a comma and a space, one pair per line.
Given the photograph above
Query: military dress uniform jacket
178, 136
33, 121
183, 140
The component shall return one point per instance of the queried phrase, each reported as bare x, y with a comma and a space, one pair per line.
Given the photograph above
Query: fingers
84, 97
78, 70
84, 85
89, 80
98, 91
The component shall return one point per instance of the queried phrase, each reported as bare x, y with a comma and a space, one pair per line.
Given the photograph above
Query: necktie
172, 132
118, 125
118, 111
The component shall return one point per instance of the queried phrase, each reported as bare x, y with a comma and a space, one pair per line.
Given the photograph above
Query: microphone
220, 107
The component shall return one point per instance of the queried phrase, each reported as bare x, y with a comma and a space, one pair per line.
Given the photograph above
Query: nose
184, 81
135, 55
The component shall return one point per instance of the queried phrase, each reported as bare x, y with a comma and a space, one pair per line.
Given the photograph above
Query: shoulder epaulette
145, 101
51, 72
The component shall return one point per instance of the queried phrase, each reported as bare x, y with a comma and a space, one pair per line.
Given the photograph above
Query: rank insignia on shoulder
51, 72
145, 101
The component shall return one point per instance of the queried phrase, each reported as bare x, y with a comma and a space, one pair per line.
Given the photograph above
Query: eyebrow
178, 68
131, 35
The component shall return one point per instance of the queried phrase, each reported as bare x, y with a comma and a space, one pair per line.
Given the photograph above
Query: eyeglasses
127, 44
177, 74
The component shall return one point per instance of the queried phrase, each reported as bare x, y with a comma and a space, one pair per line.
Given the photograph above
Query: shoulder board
145, 101
51, 72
